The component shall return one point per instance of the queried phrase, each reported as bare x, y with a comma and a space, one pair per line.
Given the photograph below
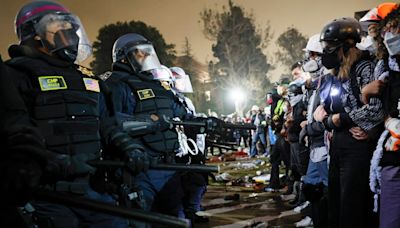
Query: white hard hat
314, 44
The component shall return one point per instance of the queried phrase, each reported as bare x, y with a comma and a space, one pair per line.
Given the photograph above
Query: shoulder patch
52, 83
104, 76
145, 94
91, 84
86, 71
165, 85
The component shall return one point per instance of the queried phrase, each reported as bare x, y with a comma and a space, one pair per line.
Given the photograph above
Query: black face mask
331, 60
66, 43
69, 41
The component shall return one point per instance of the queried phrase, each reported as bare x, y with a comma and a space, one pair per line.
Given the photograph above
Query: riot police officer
56, 115
137, 94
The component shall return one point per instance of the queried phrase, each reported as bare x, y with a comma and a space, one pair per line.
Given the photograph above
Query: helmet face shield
182, 84
64, 32
162, 74
181, 80
145, 56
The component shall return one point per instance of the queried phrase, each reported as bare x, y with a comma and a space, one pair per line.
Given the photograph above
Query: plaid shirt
368, 115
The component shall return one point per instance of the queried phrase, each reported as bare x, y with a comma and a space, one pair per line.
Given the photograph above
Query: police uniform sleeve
122, 97
23, 149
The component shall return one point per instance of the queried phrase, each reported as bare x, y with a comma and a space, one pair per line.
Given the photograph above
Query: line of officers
55, 116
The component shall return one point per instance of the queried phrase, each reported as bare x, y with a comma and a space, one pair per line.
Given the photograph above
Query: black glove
161, 123
20, 175
63, 166
137, 160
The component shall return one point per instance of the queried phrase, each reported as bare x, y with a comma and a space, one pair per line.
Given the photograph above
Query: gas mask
69, 41
312, 67
392, 43
66, 44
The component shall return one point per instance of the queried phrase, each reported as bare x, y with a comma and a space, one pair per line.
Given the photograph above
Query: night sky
177, 19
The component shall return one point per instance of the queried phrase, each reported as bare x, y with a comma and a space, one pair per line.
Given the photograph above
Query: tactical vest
153, 98
64, 103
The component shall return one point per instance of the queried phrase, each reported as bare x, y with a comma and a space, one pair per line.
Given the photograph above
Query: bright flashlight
334, 91
237, 94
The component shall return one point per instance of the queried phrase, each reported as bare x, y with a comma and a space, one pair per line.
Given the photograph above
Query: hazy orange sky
177, 19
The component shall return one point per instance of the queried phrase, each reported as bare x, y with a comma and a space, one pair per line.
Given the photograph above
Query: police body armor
64, 103
153, 98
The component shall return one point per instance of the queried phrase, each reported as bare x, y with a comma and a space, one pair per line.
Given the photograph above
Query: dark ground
253, 207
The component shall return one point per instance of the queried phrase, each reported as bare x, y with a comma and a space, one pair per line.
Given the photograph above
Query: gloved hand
64, 166
137, 160
392, 144
393, 125
161, 123
275, 118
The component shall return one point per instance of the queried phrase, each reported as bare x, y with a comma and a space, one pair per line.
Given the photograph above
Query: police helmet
137, 51
39, 18
31, 13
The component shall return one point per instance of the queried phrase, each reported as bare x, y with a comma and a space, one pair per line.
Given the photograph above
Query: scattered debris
262, 178
252, 195
223, 177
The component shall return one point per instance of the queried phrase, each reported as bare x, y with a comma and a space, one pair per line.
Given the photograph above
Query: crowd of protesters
336, 125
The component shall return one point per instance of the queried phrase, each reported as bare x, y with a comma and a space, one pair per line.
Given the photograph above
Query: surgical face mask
331, 60
299, 81
367, 44
392, 43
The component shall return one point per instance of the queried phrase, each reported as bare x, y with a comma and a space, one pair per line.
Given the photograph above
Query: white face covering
310, 66
392, 43
367, 44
